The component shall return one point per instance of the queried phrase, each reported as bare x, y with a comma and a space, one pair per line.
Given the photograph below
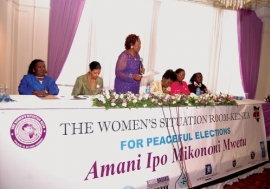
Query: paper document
150, 73
47, 97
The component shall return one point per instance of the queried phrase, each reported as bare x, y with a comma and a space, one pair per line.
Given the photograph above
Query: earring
131, 47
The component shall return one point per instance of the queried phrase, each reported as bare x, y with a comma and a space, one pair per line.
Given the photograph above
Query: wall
263, 84
3, 46
25, 26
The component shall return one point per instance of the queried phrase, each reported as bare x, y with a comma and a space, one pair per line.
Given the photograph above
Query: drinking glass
2, 92
2, 89
246, 95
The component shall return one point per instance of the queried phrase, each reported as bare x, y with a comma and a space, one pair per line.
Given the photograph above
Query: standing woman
89, 83
180, 86
128, 67
36, 82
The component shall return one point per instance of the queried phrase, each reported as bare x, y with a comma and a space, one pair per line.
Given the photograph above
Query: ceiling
250, 4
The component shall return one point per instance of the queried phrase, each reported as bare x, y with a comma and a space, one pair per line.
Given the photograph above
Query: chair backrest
65, 89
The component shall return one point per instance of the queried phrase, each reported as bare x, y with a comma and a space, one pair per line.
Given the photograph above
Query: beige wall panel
3, 41
24, 26
41, 27
22, 44
263, 84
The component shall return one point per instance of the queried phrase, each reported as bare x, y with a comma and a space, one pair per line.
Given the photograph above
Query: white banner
128, 149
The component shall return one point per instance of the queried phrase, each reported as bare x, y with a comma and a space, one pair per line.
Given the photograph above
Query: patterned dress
126, 66
156, 87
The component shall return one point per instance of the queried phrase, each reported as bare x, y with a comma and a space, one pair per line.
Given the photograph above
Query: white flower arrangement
110, 99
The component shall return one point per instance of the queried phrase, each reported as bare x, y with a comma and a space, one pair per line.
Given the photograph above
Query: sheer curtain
200, 38
101, 36
174, 34
228, 78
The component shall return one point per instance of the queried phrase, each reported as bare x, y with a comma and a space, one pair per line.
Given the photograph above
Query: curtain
199, 38
101, 35
150, 55
64, 18
223, 69
174, 34
249, 40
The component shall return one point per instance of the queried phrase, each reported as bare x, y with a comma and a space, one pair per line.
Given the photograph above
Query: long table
65, 143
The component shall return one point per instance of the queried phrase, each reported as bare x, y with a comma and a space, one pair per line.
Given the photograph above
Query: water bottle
147, 90
198, 91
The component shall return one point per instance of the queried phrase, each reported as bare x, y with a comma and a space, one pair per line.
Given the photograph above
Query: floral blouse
126, 66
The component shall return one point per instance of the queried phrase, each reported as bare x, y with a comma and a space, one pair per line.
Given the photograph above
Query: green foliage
267, 98
109, 99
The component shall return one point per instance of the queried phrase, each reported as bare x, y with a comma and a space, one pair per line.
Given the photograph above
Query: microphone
141, 65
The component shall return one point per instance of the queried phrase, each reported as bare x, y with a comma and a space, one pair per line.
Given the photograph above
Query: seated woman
89, 83
195, 82
179, 86
36, 82
163, 86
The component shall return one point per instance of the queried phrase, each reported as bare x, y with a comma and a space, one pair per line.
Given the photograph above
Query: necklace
39, 77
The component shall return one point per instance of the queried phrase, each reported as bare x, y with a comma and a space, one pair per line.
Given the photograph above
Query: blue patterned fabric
30, 83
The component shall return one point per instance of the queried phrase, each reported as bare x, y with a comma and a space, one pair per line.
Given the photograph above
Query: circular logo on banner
28, 131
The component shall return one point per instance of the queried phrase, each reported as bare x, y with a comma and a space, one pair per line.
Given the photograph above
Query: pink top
179, 89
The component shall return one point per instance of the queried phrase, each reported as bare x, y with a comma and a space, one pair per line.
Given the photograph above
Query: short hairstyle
192, 79
94, 65
131, 40
169, 74
179, 70
33, 64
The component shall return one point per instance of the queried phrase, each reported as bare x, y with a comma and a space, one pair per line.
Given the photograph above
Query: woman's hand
166, 91
44, 92
137, 77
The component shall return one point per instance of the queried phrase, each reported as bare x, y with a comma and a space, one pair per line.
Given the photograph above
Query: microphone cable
181, 164
182, 149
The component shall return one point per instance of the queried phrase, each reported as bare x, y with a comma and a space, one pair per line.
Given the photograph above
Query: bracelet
46, 92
